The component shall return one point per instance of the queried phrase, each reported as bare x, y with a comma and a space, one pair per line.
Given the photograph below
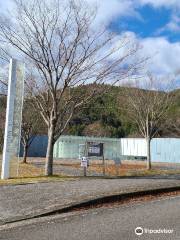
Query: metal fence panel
165, 150
133, 147
67, 147
37, 148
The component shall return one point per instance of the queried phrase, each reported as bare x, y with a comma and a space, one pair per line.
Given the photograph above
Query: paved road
21, 201
116, 223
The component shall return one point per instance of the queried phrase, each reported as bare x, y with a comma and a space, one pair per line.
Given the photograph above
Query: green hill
107, 116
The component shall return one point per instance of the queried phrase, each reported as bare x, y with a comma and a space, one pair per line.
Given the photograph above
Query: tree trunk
25, 153
49, 153
148, 140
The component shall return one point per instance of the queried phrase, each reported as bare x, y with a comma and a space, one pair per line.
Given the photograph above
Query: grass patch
29, 170
25, 170
25, 180
131, 170
125, 169
153, 172
33, 171
29, 173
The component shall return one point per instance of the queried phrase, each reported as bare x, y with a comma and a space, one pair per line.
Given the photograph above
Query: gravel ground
67, 166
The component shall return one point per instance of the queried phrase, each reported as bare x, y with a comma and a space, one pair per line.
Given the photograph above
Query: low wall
67, 147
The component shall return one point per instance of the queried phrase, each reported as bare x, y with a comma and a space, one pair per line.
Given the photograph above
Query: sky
155, 24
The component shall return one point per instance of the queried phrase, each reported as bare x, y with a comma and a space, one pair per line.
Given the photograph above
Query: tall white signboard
13, 116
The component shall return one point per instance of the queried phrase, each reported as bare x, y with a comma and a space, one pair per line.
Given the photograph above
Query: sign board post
82, 150
104, 169
96, 150
12, 134
84, 164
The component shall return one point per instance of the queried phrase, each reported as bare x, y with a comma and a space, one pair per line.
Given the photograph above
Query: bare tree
4, 55
148, 109
4, 59
3, 86
31, 127
2, 119
176, 126
27, 137
3, 83
66, 53
172, 125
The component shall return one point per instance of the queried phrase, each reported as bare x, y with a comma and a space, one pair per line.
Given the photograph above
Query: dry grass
33, 171
26, 170
138, 169
29, 170
120, 170
26, 180
29, 173
133, 170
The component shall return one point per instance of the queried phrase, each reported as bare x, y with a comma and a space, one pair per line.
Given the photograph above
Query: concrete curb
35, 182
89, 201
74, 178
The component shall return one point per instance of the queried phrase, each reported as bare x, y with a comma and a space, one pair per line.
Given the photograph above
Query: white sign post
13, 115
84, 164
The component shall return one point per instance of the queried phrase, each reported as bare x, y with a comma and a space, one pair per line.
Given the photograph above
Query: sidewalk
26, 201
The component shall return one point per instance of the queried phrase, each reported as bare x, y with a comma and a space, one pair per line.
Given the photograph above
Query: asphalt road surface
114, 223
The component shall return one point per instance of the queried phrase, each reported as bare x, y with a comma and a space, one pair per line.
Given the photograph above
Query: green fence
162, 149
68, 147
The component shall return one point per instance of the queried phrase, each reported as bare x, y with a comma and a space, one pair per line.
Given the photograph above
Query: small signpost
84, 164
91, 149
96, 150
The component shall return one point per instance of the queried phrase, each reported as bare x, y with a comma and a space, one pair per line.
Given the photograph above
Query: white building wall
133, 147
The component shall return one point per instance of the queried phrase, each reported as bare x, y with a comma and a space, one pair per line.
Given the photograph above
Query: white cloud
164, 55
163, 58
108, 10
173, 25
161, 3
163, 62
5, 5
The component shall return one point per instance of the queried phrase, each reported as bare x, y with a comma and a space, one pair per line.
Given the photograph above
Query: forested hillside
107, 116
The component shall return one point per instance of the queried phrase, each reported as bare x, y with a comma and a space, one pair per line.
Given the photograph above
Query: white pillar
13, 115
